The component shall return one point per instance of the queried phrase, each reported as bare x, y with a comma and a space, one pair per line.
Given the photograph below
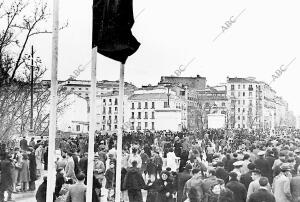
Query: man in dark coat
180, 181
262, 164
246, 178
262, 194
134, 182
270, 159
238, 189
6, 182
32, 169
231, 162
23, 144
221, 172
83, 163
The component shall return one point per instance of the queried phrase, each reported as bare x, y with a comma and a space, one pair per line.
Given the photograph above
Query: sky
261, 37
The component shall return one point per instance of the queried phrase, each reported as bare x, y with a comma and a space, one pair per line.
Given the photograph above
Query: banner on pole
112, 23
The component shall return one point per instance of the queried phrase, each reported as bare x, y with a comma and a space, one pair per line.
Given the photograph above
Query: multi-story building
254, 104
190, 85
157, 108
213, 100
108, 110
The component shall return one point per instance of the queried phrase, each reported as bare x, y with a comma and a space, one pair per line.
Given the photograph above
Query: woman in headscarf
164, 188
218, 193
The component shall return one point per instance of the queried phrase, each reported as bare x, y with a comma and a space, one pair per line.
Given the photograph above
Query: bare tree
20, 21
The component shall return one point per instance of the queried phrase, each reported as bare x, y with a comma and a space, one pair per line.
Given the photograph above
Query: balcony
109, 121
131, 127
115, 112
103, 121
109, 103
139, 128
115, 121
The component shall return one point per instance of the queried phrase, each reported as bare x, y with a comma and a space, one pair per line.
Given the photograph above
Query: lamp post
30, 59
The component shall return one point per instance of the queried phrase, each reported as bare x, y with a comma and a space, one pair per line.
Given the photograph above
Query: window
232, 87
146, 115
86, 88
152, 115
244, 126
146, 124
243, 86
243, 117
250, 88
139, 115
116, 126
139, 126
239, 118
232, 93
239, 102
146, 105
239, 125
239, 86
165, 104
104, 101
153, 126
103, 118
132, 115
77, 127
103, 127
232, 101
116, 101
250, 94
223, 104
244, 94
239, 110
250, 102
72, 88
139, 105
109, 110
153, 105
109, 118
109, 100
243, 109
244, 102
116, 117
132, 105
116, 109
104, 111
239, 94
79, 88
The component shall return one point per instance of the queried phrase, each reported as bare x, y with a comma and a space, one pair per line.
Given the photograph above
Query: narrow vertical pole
31, 91
53, 104
120, 134
92, 126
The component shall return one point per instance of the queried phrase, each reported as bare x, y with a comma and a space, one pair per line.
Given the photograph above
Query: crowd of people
164, 166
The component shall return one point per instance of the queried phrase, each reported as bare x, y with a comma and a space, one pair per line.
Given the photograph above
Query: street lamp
27, 59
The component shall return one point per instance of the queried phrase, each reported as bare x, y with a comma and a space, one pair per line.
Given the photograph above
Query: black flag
112, 23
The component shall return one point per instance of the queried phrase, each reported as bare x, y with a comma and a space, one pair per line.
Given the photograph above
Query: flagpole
120, 134
92, 126
53, 105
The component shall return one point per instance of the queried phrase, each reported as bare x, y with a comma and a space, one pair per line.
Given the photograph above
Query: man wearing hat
281, 185
237, 168
262, 194
254, 185
297, 158
246, 178
262, 164
99, 168
295, 186
238, 189
181, 179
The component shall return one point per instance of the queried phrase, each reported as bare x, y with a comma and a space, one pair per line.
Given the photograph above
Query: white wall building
75, 117
158, 108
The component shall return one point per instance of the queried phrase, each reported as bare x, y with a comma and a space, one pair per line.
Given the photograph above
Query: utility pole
31, 91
